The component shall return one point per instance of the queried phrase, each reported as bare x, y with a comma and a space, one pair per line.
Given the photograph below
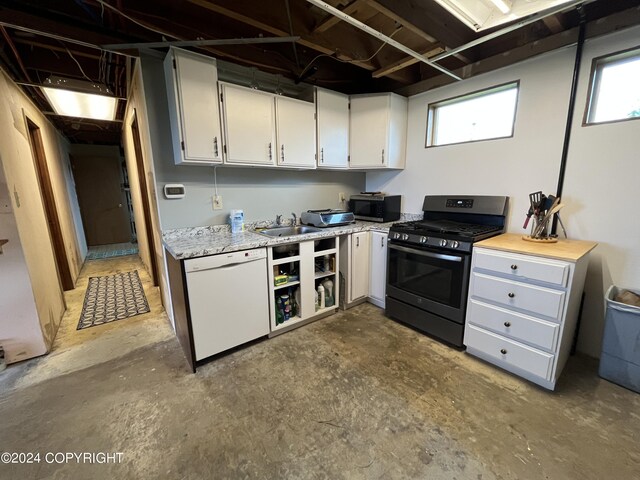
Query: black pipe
572, 104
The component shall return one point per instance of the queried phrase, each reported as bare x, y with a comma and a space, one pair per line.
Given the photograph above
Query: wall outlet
342, 197
217, 202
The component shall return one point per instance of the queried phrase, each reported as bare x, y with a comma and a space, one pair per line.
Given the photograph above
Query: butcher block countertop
569, 250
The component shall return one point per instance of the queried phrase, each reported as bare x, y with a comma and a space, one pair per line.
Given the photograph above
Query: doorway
144, 194
49, 203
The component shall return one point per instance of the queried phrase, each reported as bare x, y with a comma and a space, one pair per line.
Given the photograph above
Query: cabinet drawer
534, 299
517, 326
509, 352
522, 267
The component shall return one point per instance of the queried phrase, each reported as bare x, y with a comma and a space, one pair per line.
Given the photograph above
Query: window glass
615, 88
478, 116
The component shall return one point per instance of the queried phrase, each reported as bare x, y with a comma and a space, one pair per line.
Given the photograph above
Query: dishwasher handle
223, 260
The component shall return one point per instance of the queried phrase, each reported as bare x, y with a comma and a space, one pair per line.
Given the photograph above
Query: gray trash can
620, 358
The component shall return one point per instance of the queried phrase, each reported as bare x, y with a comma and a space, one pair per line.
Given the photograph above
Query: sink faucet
278, 220
294, 219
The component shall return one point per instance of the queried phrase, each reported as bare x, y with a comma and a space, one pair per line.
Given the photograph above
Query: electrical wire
77, 63
131, 19
384, 44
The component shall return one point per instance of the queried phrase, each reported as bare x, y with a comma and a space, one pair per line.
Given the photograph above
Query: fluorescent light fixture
484, 14
76, 98
503, 5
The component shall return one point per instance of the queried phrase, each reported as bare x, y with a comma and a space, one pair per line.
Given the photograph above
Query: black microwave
375, 207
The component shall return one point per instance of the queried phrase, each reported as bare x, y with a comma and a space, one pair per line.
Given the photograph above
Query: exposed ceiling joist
200, 43
332, 20
405, 62
388, 40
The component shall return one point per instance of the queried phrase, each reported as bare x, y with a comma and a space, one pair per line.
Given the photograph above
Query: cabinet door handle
357, 241
270, 157
282, 152
215, 146
322, 155
383, 155
382, 241
511, 294
507, 324
514, 267
503, 351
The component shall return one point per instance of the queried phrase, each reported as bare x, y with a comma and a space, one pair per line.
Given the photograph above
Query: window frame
597, 64
432, 107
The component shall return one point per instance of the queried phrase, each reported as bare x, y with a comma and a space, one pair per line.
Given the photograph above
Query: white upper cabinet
296, 133
249, 120
192, 94
332, 117
378, 131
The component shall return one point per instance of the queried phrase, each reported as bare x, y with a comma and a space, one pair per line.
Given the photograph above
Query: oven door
433, 280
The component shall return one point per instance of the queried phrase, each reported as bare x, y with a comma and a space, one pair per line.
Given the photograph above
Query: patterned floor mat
111, 298
114, 250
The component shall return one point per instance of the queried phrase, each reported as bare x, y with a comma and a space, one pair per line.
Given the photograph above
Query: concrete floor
351, 396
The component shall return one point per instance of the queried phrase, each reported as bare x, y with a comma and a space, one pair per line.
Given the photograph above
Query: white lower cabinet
378, 268
295, 271
354, 268
522, 309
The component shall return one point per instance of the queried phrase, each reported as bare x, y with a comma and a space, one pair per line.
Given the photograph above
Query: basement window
483, 115
614, 93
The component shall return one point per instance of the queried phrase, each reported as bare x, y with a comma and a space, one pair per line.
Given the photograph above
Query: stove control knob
396, 236
405, 236
423, 239
443, 243
455, 244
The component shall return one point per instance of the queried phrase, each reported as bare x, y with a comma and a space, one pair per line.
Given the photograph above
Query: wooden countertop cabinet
523, 306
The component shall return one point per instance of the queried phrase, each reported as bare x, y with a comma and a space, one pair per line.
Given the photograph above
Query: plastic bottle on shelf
328, 293
321, 299
327, 263
317, 300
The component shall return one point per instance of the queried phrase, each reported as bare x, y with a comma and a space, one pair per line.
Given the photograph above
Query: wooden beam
405, 62
276, 31
602, 26
333, 20
553, 23
403, 21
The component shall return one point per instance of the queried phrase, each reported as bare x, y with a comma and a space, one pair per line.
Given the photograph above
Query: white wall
20, 331
27, 205
603, 166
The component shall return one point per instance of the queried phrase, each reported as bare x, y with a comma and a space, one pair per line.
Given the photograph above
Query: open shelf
325, 252
282, 260
324, 244
288, 284
287, 323
324, 274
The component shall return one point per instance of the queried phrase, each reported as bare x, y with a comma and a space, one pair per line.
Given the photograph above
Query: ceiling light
503, 5
483, 14
77, 98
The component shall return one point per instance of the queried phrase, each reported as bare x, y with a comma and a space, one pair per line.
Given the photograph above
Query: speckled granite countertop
193, 242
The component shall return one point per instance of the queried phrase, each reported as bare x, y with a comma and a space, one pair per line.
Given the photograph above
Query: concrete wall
27, 206
602, 174
260, 192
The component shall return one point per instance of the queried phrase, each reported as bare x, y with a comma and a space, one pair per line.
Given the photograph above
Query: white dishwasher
228, 300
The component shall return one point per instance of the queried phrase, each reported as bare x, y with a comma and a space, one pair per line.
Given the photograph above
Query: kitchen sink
288, 231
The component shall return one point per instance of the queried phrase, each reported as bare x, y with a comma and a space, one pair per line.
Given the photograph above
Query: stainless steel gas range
429, 261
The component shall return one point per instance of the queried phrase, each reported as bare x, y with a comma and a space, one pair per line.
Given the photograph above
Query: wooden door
49, 203
359, 265
102, 199
378, 274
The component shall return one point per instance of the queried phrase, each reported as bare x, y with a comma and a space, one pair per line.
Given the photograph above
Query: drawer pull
514, 267
503, 351
507, 324
511, 294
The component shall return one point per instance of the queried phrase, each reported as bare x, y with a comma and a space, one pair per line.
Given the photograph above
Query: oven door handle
440, 256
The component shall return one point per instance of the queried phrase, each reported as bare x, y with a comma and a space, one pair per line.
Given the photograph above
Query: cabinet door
249, 119
332, 112
296, 133
368, 131
359, 265
192, 90
378, 274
